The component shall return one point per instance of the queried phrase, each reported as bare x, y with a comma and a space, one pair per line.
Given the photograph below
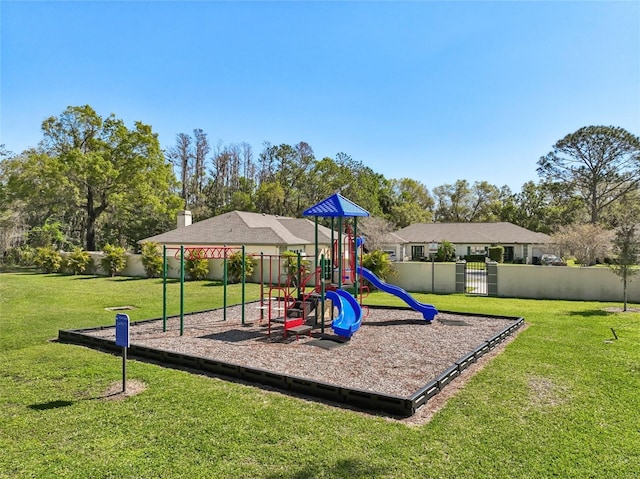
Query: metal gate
477, 278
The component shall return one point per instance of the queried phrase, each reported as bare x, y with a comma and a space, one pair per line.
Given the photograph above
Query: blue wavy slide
428, 311
349, 313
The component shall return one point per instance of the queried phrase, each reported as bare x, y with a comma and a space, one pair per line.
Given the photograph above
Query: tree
587, 242
461, 203
542, 207
626, 248
201, 150
412, 203
50, 234
182, 155
600, 163
375, 230
269, 198
87, 168
446, 251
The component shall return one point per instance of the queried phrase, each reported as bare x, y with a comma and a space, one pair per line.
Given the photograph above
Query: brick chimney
184, 218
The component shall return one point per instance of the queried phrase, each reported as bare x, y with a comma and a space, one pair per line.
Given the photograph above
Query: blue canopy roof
335, 206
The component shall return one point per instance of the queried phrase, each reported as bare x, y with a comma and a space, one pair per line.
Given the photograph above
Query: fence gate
477, 278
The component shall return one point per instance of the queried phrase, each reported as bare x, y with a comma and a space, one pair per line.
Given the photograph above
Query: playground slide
349, 313
428, 311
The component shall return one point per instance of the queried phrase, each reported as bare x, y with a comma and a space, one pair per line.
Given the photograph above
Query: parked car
551, 259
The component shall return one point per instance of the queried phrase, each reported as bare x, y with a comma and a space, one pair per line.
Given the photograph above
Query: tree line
103, 182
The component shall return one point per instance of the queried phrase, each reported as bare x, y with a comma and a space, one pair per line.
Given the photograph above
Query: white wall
514, 281
563, 282
416, 276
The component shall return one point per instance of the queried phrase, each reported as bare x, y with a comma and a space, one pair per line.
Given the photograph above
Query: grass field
561, 401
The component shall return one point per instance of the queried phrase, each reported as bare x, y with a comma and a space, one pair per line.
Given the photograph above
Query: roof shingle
470, 233
241, 227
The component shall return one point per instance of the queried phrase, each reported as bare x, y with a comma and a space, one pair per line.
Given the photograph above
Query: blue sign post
122, 339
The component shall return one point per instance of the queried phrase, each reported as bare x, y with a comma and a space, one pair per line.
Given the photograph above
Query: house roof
241, 227
469, 233
335, 206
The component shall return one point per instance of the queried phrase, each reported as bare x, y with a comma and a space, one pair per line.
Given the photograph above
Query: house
258, 232
419, 240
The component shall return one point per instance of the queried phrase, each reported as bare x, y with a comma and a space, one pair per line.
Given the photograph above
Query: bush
446, 251
114, 259
290, 267
152, 259
378, 263
496, 253
234, 267
49, 234
24, 255
48, 259
197, 268
475, 258
78, 261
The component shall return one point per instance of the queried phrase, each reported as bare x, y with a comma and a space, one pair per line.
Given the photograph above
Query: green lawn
561, 401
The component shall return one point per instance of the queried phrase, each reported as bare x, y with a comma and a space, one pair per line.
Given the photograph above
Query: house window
508, 254
477, 250
417, 252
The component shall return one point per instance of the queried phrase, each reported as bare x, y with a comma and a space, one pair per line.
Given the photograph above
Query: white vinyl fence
514, 281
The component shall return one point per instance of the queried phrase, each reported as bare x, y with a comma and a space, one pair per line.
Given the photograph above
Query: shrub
78, 261
496, 253
49, 234
152, 259
24, 255
446, 251
290, 266
378, 263
234, 266
197, 268
114, 259
48, 259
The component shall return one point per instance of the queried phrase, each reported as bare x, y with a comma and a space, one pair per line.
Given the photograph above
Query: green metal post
181, 290
164, 288
322, 296
243, 282
339, 251
299, 274
224, 285
354, 263
316, 240
332, 255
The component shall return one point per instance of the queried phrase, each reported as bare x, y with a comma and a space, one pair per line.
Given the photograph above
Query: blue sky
435, 91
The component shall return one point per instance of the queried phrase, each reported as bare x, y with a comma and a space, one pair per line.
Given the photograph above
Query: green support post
339, 251
164, 288
181, 290
224, 285
299, 276
322, 291
355, 257
332, 259
316, 240
243, 282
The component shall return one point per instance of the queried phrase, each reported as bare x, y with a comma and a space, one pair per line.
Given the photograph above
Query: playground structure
304, 284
